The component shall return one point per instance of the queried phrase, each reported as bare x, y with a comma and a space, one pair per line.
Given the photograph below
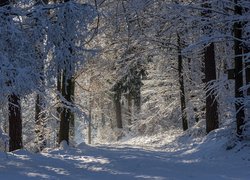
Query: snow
173, 155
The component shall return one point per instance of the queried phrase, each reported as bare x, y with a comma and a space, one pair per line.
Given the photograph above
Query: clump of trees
43, 46
130, 66
205, 42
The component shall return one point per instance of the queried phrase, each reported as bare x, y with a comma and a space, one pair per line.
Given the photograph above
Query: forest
124, 73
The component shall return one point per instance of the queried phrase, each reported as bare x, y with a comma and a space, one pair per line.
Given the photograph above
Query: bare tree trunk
247, 58
212, 121
118, 109
90, 119
15, 123
71, 92
64, 123
238, 60
247, 71
15, 115
129, 111
181, 82
66, 131
66, 114
59, 106
137, 101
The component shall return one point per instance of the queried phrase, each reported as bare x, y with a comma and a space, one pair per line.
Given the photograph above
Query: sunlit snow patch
37, 175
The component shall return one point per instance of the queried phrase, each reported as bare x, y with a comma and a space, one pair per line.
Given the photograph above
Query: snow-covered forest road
193, 161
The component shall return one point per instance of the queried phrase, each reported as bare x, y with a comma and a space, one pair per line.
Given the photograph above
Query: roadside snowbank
173, 156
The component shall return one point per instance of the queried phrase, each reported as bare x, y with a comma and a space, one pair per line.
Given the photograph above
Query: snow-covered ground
181, 157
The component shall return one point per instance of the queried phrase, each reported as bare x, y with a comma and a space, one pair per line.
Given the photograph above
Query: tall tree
69, 54
40, 99
247, 57
129, 108
238, 61
14, 107
181, 82
212, 121
15, 123
67, 84
117, 103
67, 115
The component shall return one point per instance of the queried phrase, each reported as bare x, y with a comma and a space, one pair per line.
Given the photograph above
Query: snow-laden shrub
198, 130
4, 139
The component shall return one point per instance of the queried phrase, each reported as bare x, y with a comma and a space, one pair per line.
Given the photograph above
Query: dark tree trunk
247, 71
90, 119
66, 131
64, 123
118, 109
59, 91
247, 58
129, 111
247, 65
15, 123
4, 2
71, 92
137, 100
59, 106
238, 60
212, 121
182, 88
67, 115
15, 117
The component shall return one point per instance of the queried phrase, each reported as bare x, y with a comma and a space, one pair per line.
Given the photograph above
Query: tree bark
66, 131
15, 123
247, 71
137, 100
71, 92
212, 121
59, 106
182, 88
15, 117
118, 109
90, 120
238, 60
129, 111
67, 115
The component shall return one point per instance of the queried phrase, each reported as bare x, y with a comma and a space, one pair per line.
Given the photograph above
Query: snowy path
122, 163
